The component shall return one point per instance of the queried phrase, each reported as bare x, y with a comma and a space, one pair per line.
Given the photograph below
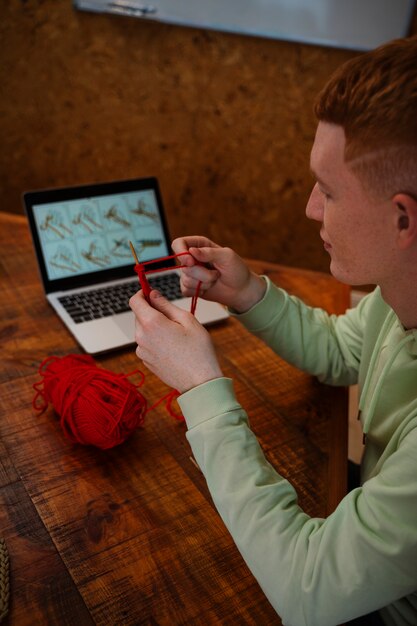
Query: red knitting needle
146, 288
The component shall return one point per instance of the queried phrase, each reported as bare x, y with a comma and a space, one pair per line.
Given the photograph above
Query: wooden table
130, 536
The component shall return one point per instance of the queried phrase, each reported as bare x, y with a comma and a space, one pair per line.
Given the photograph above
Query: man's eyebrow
317, 177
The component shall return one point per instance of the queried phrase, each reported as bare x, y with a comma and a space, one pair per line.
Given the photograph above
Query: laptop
81, 238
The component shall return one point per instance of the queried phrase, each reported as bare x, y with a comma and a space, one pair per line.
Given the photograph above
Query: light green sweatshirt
323, 572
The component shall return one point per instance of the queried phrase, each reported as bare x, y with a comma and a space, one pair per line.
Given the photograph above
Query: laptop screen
82, 234
87, 234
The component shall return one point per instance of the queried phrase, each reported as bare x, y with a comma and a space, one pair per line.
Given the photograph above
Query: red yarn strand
145, 286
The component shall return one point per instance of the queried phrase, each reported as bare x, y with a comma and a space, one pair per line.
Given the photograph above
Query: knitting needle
141, 275
135, 256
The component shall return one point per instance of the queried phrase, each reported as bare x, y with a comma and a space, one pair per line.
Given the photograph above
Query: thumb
208, 255
218, 258
164, 306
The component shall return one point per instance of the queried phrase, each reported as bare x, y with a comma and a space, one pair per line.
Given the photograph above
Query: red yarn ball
96, 407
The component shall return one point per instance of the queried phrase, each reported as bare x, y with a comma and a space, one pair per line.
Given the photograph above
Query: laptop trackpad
126, 324
106, 333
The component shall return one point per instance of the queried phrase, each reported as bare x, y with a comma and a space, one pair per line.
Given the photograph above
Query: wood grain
130, 536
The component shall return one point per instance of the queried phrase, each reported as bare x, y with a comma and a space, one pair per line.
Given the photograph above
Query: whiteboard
355, 24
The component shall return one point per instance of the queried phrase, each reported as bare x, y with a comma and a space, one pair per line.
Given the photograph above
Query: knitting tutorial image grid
92, 234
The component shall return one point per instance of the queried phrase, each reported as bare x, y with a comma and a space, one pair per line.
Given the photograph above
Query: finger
189, 286
140, 306
187, 259
139, 341
133, 300
168, 309
208, 255
200, 273
140, 354
182, 244
196, 288
179, 245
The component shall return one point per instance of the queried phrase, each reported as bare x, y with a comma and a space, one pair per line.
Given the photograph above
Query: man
362, 559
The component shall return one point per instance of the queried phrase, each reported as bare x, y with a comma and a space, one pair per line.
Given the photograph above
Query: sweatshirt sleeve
315, 572
326, 346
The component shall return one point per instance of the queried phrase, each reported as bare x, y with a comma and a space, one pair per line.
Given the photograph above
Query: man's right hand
225, 277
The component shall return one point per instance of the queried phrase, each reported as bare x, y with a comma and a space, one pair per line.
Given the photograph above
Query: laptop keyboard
104, 301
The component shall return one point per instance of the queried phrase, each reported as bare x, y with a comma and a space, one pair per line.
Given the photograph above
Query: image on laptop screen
84, 235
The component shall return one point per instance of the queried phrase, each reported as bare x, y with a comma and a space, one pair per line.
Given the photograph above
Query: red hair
374, 98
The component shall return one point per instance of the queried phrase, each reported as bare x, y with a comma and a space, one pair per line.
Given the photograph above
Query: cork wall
224, 121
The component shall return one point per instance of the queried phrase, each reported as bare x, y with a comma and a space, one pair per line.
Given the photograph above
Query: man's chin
348, 279
343, 276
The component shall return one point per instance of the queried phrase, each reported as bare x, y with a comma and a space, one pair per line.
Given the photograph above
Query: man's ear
405, 219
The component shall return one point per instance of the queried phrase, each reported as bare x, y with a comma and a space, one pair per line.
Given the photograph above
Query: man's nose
315, 205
